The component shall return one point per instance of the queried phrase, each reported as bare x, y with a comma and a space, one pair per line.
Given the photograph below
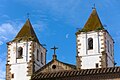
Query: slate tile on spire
93, 23
26, 33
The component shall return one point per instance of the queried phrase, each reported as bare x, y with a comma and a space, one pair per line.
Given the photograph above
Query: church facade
26, 57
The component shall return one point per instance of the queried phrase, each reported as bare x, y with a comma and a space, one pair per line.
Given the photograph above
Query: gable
56, 65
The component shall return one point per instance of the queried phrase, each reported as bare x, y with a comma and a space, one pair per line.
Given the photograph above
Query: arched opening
41, 58
90, 43
20, 52
37, 55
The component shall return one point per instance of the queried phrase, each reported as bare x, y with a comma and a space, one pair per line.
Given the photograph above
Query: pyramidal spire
93, 22
26, 33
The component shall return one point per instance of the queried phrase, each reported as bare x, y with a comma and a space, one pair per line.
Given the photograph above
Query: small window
33, 64
37, 55
111, 49
54, 67
12, 75
108, 45
41, 58
90, 43
97, 65
20, 52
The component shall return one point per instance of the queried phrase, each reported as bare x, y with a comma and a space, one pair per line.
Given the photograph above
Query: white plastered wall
110, 52
38, 63
19, 66
92, 57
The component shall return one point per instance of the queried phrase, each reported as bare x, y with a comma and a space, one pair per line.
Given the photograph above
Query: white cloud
7, 32
6, 28
2, 75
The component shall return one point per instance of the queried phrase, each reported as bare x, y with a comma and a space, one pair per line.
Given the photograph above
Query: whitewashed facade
95, 47
23, 59
90, 58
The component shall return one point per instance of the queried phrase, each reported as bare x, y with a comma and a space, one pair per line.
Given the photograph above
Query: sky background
55, 23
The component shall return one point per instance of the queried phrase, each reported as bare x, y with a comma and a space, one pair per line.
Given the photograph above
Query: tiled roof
26, 33
93, 23
75, 73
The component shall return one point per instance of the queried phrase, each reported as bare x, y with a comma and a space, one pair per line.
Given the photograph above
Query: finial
54, 56
28, 15
78, 29
93, 6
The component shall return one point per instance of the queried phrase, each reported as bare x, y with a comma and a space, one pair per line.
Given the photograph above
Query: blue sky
55, 23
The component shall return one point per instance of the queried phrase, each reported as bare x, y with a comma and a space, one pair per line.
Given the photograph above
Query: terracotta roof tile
70, 73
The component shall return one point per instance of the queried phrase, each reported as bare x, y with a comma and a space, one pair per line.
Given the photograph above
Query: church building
26, 57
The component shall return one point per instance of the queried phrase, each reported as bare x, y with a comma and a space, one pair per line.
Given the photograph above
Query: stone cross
54, 48
93, 6
28, 15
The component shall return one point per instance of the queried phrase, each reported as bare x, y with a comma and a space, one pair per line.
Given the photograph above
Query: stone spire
93, 23
26, 33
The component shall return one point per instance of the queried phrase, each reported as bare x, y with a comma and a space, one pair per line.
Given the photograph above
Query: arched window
108, 45
41, 58
20, 52
90, 43
37, 55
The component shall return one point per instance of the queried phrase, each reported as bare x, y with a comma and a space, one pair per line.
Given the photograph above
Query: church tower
95, 46
25, 54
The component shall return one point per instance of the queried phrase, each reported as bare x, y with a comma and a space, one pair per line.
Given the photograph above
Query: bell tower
25, 54
95, 46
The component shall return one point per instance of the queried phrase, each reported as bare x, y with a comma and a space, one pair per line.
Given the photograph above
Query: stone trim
79, 44
103, 60
78, 40
78, 62
8, 54
8, 73
30, 68
31, 62
8, 69
104, 40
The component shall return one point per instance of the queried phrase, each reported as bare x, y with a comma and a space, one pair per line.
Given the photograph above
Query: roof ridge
43, 67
